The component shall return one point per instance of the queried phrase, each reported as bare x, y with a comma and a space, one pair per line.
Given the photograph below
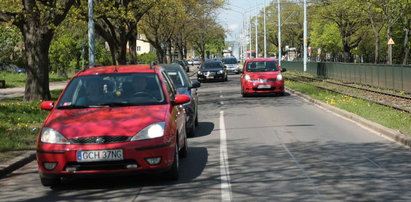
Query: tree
349, 20
37, 21
116, 21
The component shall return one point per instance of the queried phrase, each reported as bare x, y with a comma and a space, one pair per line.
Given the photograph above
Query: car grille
99, 140
102, 165
210, 73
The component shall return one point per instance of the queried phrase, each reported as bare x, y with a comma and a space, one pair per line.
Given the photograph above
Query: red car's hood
263, 75
124, 121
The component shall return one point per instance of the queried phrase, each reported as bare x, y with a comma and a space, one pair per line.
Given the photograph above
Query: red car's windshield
262, 66
113, 90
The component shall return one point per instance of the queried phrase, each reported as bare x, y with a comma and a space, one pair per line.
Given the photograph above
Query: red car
114, 119
262, 76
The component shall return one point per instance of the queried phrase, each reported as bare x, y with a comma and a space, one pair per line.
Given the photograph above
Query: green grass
383, 115
19, 124
19, 80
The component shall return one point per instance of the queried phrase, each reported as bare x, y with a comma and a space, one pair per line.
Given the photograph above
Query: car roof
170, 66
260, 59
118, 69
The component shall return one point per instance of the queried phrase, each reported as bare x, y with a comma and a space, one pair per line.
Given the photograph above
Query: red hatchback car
114, 119
262, 76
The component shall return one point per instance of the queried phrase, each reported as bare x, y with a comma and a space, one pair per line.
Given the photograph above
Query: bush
146, 58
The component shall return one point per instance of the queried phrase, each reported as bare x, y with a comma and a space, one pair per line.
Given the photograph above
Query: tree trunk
389, 35
377, 47
37, 61
406, 46
133, 49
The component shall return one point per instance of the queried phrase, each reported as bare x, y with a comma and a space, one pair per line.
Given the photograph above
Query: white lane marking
222, 103
299, 166
224, 168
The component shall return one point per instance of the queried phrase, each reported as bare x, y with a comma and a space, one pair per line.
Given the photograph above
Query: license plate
263, 86
210, 77
100, 155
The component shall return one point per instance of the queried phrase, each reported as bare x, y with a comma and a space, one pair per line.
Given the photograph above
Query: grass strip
19, 124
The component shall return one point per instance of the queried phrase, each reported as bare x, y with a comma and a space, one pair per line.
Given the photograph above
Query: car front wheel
173, 174
49, 181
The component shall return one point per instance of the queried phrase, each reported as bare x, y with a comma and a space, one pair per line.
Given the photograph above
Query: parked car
183, 64
212, 70
262, 75
12, 68
190, 61
187, 87
113, 119
196, 61
231, 64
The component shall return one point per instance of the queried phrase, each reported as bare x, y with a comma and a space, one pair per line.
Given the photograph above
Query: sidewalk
19, 91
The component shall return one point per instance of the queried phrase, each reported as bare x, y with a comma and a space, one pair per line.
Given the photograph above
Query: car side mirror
283, 69
195, 84
181, 99
47, 105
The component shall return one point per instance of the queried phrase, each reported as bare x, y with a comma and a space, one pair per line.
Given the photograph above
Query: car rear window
108, 90
262, 66
178, 78
230, 61
207, 65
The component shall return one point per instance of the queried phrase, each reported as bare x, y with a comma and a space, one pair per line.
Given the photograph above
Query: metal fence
394, 77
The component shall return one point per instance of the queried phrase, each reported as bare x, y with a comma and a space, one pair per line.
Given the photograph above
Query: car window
230, 61
178, 78
262, 66
207, 65
113, 90
169, 85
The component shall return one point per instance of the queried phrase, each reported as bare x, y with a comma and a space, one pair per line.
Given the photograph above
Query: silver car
231, 64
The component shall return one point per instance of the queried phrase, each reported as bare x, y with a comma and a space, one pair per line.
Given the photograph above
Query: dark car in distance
183, 64
186, 87
212, 70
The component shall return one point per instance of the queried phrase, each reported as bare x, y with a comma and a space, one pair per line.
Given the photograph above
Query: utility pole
250, 36
279, 32
265, 34
305, 35
91, 42
256, 35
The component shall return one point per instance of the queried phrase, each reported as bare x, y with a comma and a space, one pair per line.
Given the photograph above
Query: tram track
395, 101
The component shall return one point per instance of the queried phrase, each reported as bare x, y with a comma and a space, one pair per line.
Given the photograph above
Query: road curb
17, 163
394, 135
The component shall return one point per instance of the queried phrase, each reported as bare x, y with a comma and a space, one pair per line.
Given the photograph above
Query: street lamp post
305, 35
265, 34
279, 32
91, 41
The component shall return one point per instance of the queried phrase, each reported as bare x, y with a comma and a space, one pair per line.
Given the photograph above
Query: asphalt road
253, 149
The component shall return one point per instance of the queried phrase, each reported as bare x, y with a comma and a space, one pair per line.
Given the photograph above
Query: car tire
243, 93
191, 131
184, 151
50, 181
226, 78
172, 173
196, 120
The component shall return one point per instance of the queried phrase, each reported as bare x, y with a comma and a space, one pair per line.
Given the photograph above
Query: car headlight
220, 72
152, 131
49, 135
279, 77
247, 77
199, 73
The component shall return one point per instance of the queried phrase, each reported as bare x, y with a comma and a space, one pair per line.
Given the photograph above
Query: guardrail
395, 77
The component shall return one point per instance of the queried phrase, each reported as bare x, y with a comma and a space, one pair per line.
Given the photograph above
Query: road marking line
224, 168
318, 193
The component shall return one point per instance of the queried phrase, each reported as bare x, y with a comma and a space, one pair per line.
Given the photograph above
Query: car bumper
233, 70
262, 88
214, 77
135, 156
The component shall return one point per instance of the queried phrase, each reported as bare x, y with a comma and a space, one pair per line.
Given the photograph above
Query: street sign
390, 42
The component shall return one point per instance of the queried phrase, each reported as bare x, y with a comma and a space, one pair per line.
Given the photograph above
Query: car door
177, 110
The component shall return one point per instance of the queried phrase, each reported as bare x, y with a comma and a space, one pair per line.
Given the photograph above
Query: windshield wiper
118, 104
73, 107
